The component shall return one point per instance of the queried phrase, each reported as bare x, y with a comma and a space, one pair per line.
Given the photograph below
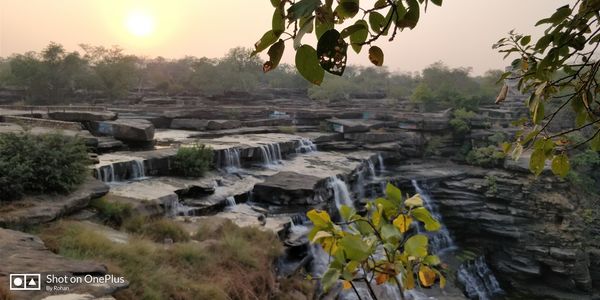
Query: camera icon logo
25, 282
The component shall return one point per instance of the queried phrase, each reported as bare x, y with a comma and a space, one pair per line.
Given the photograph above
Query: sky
460, 33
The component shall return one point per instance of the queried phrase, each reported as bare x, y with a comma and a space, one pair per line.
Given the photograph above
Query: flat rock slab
41, 209
82, 116
25, 253
135, 130
286, 188
191, 124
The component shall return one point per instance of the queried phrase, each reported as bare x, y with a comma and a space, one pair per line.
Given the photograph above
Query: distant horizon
460, 33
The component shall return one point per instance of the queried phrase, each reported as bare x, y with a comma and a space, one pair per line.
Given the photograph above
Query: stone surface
82, 116
33, 210
25, 253
135, 130
354, 125
223, 124
190, 124
288, 188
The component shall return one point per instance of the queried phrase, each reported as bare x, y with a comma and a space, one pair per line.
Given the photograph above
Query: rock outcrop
134, 130
82, 116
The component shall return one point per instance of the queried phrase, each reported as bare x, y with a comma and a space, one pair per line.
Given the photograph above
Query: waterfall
229, 159
106, 173
138, 171
231, 201
371, 168
340, 192
175, 208
271, 154
478, 279
381, 164
126, 170
306, 146
440, 241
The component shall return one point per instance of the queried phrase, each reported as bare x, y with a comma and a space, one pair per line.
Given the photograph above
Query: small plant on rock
193, 161
381, 245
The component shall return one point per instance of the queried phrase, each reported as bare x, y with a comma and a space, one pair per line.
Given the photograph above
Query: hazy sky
460, 33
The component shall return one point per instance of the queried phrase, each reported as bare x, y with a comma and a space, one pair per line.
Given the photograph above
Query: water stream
229, 160
270, 154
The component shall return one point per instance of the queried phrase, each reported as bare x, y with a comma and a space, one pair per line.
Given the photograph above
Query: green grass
228, 262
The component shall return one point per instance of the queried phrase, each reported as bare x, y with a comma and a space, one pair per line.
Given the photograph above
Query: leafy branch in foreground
308, 16
558, 71
379, 246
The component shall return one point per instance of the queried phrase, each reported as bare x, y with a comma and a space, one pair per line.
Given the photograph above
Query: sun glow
140, 24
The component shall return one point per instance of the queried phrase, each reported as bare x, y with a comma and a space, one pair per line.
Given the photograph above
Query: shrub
193, 161
488, 156
460, 122
497, 138
156, 229
40, 164
112, 213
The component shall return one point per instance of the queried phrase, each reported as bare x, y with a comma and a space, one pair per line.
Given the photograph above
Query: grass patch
111, 213
236, 264
287, 129
158, 229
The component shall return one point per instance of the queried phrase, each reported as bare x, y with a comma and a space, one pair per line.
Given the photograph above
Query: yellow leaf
402, 222
409, 280
320, 235
347, 284
381, 278
442, 281
414, 201
426, 276
329, 245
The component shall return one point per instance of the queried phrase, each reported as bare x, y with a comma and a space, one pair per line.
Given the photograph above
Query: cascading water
340, 192
271, 154
231, 201
381, 164
137, 169
128, 170
173, 207
440, 241
229, 159
107, 173
306, 146
479, 281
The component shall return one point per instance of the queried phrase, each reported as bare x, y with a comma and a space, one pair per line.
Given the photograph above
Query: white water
135, 171
306, 146
340, 192
271, 154
381, 164
138, 170
175, 208
231, 201
229, 160
478, 279
476, 276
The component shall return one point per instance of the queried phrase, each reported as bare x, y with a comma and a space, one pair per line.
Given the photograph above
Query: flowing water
270, 154
231, 201
340, 192
229, 160
132, 170
306, 146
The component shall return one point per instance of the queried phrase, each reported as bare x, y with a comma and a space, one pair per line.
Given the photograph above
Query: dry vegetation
222, 261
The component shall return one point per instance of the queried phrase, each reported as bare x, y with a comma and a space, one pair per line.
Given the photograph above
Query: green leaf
595, 142
432, 260
332, 52
560, 165
377, 21
348, 31
275, 3
265, 41
306, 26
390, 208
330, 277
347, 8
423, 215
308, 66
275, 53
278, 22
525, 40
411, 17
416, 246
359, 36
393, 193
302, 8
391, 233
537, 161
538, 112
347, 212
376, 56
437, 2
543, 43
355, 248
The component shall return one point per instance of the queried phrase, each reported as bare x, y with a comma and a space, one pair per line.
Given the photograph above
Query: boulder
135, 130
41, 209
82, 116
191, 124
223, 124
22, 253
288, 188
354, 125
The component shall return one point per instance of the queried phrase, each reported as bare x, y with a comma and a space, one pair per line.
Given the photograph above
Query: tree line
57, 76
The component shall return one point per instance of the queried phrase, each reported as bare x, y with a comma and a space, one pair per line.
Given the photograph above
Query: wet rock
82, 116
288, 188
25, 253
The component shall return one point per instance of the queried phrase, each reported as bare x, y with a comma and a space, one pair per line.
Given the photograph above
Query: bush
488, 156
156, 229
40, 164
460, 123
111, 213
193, 161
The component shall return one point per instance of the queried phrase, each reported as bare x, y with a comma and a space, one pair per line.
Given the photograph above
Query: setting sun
140, 24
